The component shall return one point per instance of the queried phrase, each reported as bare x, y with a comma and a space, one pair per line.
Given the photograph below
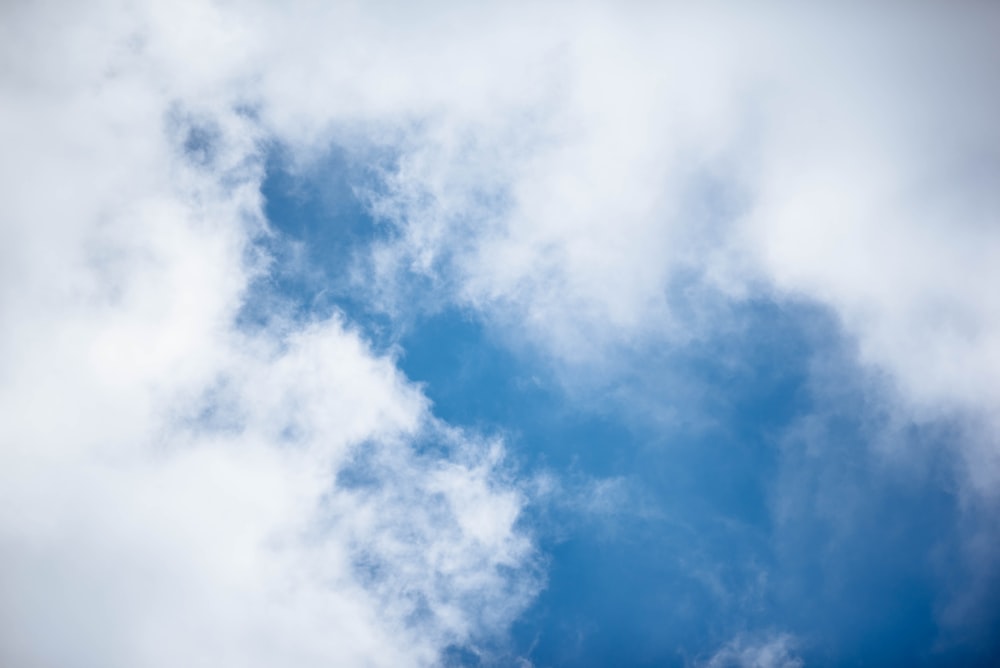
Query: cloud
176, 489
227, 532
587, 183
775, 651
845, 157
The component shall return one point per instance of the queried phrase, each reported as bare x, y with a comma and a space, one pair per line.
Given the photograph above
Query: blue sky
419, 334
693, 549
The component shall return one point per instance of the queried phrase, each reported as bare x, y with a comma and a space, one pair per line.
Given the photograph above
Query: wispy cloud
767, 651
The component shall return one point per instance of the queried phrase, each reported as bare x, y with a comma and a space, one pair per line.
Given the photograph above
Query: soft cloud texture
775, 651
177, 489
843, 156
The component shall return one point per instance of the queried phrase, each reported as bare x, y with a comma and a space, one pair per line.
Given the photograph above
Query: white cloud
563, 172
877, 196
847, 157
776, 651
176, 491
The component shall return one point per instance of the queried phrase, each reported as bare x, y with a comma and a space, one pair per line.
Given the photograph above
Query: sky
499, 334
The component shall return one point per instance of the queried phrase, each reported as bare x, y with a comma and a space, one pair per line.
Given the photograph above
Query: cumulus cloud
239, 527
575, 177
177, 490
680, 160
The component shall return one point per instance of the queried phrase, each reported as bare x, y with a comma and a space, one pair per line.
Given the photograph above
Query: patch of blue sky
318, 225
757, 506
